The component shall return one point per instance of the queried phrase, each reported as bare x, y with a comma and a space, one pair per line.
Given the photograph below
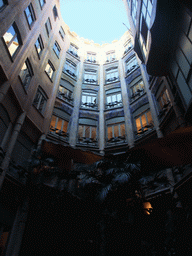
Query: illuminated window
137, 90
48, 26
116, 133
40, 100
112, 75
56, 49
39, 46
58, 126
30, 15
26, 74
50, 70
12, 39
90, 76
144, 123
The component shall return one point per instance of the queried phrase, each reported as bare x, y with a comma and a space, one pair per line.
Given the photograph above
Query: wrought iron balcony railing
144, 129
87, 141
65, 97
112, 59
116, 140
70, 73
164, 109
114, 104
131, 69
74, 53
91, 81
112, 79
137, 94
129, 48
61, 134
91, 61
89, 105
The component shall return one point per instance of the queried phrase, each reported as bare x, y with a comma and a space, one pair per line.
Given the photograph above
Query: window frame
110, 72
121, 138
135, 95
40, 43
128, 46
71, 65
148, 127
40, 3
86, 140
55, 12
16, 35
62, 32
42, 95
57, 49
30, 71
73, 49
113, 104
110, 56
88, 103
52, 68
133, 67
91, 57
5, 3
68, 97
90, 73
32, 15
47, 27
53, 130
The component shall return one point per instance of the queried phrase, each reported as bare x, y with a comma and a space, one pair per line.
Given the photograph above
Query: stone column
77, 101
151, 103
101, 112
6, 136
6, 160
16, 236
126, 104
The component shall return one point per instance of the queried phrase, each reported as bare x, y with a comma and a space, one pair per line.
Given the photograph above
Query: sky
97, 20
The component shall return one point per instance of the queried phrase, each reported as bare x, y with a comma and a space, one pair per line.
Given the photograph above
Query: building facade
59, 87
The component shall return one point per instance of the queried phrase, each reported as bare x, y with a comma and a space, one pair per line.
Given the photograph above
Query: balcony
90, 81
144, 130
164, 110
89, 105
127, 50
131, 69
111, 80
87, 141
74, 54
91, 61
137, 94
116, 140
69, 72
111, 60
65, 97
61, 135
113, 104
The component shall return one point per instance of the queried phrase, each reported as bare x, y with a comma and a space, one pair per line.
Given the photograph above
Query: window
144, 123
40, 100
110, 56
55, 12
48, 26
65, 94
129, 2
59, 126
89, 99
134, 10
26, 74
91, 57
137, 90
30, 15
70, 68
41, 2
131, 64
113, 99
39, 46
73, 50
112, 75
87, 134
164, 103
128, 45
147, 6
116, 133
2, 4
50, 70
56, 49
12, 39
61, 32
90, 76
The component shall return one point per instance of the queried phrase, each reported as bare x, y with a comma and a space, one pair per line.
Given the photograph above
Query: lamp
147, 207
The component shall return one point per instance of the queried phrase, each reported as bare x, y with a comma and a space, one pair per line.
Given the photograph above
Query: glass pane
93, 133
53, 121
65, 126
108, 99
141, 85
122, 129
83, 99
13, 46
37, 99
42, 104
80, 132
116, 130
138, 124
118, 97
109, 132
59, 123
148, 20
167, 94
113, 98
87, 131
149, 8
143, 120
24, 73
149, 117
89, 99
9, 35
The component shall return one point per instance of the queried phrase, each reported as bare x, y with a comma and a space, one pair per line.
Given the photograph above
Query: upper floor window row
30, 15
110, 56
131, 64
73, 50
41, 2
48, 26
70, 68
12, 39
91, 57
112, 75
